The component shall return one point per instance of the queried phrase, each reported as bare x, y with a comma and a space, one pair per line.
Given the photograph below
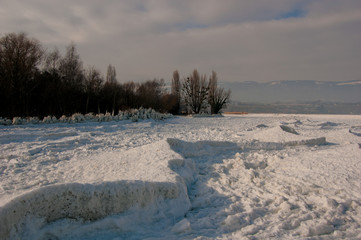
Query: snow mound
279, 132
182, 226
134, 115
355, 131
240, 192
257, 145
186, 178
206, 148
328, 125
5, 121
88, 202
200, 148
185, 168
95, 194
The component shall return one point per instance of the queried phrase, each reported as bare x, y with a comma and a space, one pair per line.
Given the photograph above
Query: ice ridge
91, 202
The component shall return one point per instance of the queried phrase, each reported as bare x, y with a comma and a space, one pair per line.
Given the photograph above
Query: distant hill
317, 107
295, 91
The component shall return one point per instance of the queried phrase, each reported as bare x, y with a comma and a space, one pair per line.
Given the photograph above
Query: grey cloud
241, 40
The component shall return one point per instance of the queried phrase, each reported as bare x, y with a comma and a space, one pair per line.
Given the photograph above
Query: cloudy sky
242, 40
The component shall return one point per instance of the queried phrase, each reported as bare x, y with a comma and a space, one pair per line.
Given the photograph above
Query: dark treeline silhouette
35, 82
38, 83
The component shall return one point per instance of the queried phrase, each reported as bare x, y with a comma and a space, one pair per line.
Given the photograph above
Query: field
255, 176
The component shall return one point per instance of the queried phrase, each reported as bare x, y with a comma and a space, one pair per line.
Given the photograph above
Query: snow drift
89, 202
164, 194
189, 178
134, 115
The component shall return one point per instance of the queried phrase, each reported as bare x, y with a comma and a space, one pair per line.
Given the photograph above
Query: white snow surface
231, 177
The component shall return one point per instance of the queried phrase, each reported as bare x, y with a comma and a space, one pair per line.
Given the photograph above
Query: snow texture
235, 177
134, 115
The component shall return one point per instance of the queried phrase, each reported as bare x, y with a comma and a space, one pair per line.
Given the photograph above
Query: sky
242, 40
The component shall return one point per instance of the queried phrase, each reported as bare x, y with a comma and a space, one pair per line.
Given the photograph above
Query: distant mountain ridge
295, 91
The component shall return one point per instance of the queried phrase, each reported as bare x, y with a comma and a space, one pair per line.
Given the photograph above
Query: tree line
35, 82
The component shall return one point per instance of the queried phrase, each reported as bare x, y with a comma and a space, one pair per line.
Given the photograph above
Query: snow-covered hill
233, 177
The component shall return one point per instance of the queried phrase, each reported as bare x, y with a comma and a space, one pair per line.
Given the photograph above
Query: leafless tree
61, 86
149, 93
112, 85
72, 81
52, 61
111, 74
129, 98
175, 96
176, 84
93, 85
20, 57
195, 91
71, 67
217, 96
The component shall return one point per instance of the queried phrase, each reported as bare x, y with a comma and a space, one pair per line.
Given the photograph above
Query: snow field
236, 177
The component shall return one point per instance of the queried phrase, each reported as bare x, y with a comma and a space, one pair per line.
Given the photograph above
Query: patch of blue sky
295, 13
183, 26
140, 7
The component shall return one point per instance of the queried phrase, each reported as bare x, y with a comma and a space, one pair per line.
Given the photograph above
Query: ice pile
88, 202
150, 188
94, 201
134, 115
238, 177
241, 192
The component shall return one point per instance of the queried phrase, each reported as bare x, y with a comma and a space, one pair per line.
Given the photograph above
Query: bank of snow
235, 177
102, 185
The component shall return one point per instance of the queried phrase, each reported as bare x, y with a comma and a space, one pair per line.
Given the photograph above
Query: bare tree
20, 57
149, 93
71, 67
52, 61
176, 92
128, 98
217, 97
93, 85
195, 91
111, 74
72, 81
176, 84
112, 85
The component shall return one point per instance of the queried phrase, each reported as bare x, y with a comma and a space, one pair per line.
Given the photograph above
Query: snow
231, 177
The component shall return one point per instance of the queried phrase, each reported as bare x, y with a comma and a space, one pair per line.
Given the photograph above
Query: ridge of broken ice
100, 192
186, 178
94, 201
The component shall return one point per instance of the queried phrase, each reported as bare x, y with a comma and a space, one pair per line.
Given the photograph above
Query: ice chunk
90, 202
355, 131
182, 226
289, 129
